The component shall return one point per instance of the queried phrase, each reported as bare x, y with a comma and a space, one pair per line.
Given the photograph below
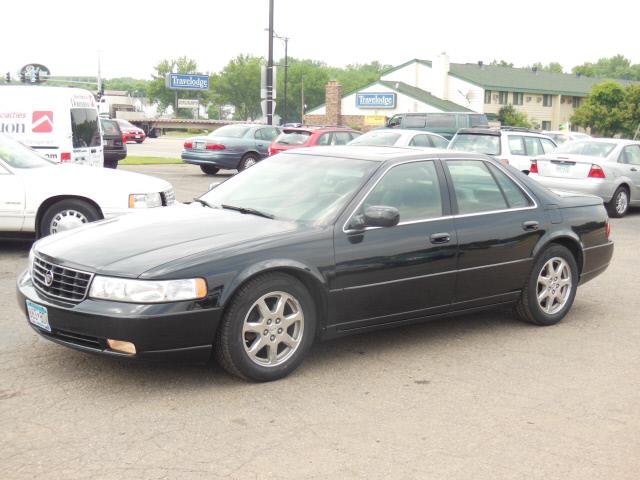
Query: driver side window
413, 188
395, 121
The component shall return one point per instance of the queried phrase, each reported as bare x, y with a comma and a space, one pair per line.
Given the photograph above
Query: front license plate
138, 136
38, 315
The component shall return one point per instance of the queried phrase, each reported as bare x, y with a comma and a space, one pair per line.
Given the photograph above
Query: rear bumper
595, 261
227, 161
602, 188
162, 331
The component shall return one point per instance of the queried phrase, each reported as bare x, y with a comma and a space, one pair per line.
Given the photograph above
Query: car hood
132, 244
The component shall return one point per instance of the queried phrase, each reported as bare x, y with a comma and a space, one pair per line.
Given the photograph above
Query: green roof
423, 96
493, 77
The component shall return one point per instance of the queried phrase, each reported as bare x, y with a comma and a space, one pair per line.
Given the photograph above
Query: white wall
458, 89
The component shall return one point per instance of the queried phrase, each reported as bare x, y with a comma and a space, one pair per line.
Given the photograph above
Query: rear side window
420, 141
109, 127
84, 127
441, 120
341, 138
533, 145
415, 121
267, 134
515, 197
471, 142
516, 145
293, 138
325, 139
547, 145
631, 155
475, 187
439, 142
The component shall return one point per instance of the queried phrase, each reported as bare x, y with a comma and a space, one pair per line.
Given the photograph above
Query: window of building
503, 98
576, 102
487, 97
518, 98
547, 100
546, 125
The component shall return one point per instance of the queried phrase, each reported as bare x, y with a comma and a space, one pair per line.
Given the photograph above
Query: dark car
130, 133
279, 256
232, 147
311, 136
442, 123
114, 148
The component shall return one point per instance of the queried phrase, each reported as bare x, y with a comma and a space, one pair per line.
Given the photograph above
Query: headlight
147, 291
145, 200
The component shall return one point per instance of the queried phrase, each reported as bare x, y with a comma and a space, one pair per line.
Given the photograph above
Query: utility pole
302, 99
99, 74
286, 68
270, 68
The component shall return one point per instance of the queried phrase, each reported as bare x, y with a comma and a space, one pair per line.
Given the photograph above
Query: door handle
530, 226
93, 150
634, 169
440, 238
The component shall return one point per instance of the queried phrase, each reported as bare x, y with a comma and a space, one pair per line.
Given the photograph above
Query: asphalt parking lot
474, 397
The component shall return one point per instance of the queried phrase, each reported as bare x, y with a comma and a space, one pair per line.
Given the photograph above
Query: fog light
120, 346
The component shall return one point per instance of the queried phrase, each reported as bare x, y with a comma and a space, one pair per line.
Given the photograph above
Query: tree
604, 110
501, 63
617, 66
133, 86
358, 75
509, 116
239, 85
553, 67
157, 90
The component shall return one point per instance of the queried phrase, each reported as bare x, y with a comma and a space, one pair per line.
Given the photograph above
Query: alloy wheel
622, 202
554, 285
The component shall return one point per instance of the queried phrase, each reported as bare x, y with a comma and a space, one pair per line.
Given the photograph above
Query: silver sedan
606, 167
396, 137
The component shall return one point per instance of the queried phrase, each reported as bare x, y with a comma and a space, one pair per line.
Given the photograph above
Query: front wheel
209, 169
619, 204
551, 287
267, 329
67, 215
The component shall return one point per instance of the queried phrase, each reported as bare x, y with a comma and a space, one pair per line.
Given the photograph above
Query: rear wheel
267, 329
551, 288
619, 204
249, 160
67, 215
209, 169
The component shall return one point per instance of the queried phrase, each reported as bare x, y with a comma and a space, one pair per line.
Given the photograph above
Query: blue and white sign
177, 81
375, 100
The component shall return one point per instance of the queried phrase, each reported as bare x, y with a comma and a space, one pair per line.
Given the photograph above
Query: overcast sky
133, 36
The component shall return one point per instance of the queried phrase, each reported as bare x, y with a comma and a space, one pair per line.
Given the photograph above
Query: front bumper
183, 330
599, 187
227, 161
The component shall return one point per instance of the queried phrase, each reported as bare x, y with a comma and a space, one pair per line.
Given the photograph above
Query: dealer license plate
562, 168
38, 315
199, 145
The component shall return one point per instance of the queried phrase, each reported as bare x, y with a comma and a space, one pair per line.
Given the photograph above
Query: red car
308, 136
130, 132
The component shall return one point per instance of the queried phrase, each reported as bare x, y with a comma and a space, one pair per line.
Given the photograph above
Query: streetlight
286, 68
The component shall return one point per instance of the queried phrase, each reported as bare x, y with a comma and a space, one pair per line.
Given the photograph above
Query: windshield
85, 128
17, 155
293, 138
279, 186
230, 131
376, 139
124, 123
487, 144
586, 147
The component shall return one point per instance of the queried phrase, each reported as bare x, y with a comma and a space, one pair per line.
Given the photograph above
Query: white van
61, 123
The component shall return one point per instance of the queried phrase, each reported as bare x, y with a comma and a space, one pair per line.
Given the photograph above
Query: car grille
60, 282
168, 197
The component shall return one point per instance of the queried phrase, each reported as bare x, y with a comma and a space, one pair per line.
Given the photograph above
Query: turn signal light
596, 172
215, 146
534, 167
121, 346
65, 157
188, 145
607, 229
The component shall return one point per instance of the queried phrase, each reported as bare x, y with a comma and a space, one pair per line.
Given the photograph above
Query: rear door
86, 137
629, 163
498, 225
263, 138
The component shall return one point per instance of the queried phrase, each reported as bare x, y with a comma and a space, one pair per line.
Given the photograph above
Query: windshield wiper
251, 211
204, 202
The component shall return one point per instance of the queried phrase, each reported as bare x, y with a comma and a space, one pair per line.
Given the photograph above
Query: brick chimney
333, 102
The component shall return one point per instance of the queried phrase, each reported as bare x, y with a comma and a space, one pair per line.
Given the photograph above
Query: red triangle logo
42, 122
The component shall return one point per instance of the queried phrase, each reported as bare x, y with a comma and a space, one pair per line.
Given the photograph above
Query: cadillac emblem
48, 278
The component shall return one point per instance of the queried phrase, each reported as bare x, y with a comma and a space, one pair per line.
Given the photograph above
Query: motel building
548, 99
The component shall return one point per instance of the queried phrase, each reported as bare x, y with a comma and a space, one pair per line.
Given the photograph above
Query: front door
498, 226
11, 201
385, 275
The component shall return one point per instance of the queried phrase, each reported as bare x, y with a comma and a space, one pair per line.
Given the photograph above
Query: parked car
560, 136
310, 136
114, 148
232, 147
278, 256
40, 196
130, 133
442, 123
512, 145
606, 167
59, 122
400, 138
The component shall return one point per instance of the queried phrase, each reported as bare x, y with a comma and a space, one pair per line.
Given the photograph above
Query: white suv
513, 145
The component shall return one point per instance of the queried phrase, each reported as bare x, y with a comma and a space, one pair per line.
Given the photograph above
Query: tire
246, 325
65, 215
209, 169
551, 309
249, 160
110, 164
619, 204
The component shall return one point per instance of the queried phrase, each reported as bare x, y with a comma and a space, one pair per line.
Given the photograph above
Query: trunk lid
566, 165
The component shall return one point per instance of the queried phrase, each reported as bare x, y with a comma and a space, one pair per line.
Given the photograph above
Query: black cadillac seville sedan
312, 244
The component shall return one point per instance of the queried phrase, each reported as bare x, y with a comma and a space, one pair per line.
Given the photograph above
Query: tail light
215, 146
269, 151
188, 145
65, 157
596, 172
607, 229
534, 166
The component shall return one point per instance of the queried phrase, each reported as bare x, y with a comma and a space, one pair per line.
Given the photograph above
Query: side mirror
375, 216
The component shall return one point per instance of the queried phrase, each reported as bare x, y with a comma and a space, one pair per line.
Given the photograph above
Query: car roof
404, 131
382, 154
318, 128
498, 132
618, 141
